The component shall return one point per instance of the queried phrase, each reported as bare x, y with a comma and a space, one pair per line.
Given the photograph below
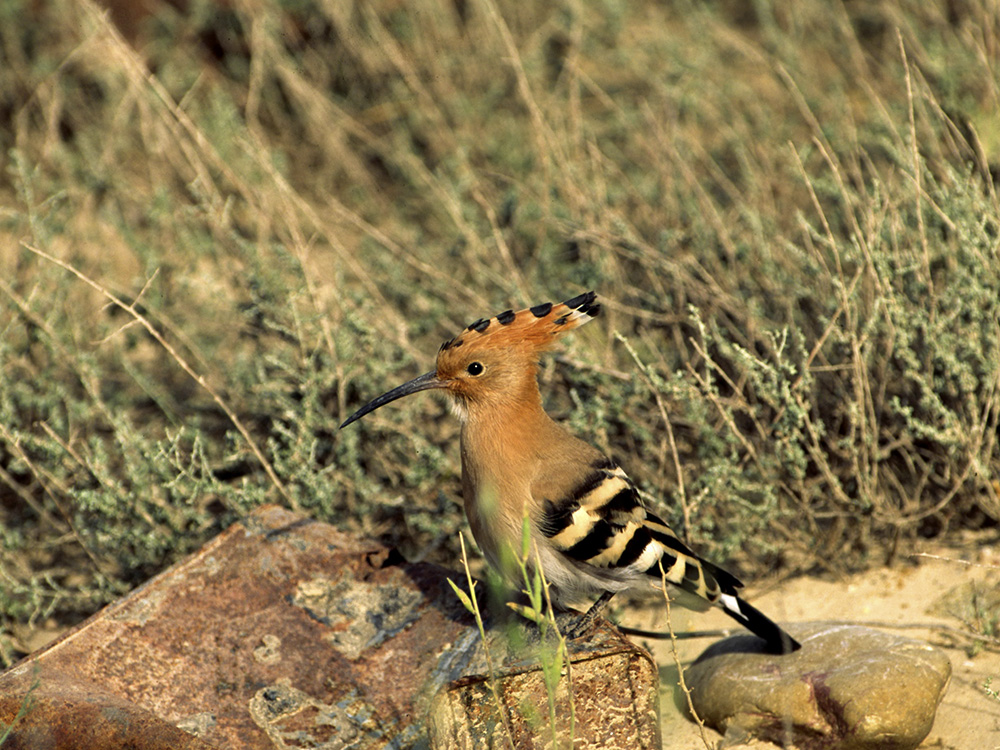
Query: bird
593, 534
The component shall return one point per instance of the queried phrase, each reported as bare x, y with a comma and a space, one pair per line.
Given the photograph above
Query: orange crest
531, 331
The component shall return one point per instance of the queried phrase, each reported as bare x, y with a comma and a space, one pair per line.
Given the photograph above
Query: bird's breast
496, 496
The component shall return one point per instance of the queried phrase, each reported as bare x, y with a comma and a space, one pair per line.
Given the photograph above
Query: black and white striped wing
602, 522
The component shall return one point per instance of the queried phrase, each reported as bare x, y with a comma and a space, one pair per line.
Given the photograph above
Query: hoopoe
593, 534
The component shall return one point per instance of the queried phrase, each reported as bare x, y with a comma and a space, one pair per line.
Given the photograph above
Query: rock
850, 688
610, 702
65, 711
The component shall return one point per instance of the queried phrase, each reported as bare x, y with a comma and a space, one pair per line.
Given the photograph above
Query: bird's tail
778, 641
683, 568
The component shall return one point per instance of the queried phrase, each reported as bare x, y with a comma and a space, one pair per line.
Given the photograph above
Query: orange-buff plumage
592, 532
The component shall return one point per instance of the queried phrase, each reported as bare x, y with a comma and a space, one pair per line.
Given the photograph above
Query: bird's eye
475, 368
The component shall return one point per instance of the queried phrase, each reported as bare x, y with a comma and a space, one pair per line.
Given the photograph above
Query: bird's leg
586, 621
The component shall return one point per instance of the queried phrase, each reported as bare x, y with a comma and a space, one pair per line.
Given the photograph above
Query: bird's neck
506, 432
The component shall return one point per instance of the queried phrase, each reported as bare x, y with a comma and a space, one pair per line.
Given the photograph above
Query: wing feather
599, 530
601, 522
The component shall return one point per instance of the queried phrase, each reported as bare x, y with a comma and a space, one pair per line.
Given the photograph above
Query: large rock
850, 688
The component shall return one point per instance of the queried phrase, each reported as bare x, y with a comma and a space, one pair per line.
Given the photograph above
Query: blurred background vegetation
226, 225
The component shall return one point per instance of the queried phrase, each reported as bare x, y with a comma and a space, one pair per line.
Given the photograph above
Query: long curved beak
425, 382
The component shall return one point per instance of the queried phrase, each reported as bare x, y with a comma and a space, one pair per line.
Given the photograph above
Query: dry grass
790, 214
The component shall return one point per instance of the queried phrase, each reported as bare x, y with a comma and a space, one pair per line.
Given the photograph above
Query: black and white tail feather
602, 530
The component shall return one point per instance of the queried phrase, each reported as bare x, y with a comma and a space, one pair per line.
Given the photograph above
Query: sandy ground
925, 590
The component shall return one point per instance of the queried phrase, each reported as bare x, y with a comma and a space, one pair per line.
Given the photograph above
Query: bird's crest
535, 328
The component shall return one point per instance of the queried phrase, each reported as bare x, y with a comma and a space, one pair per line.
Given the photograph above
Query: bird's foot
585, 623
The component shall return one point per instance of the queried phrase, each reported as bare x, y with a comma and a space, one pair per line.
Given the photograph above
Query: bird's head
493, 360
